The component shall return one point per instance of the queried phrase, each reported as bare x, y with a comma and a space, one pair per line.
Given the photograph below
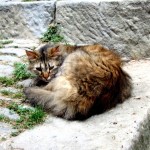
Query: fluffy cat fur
82, 80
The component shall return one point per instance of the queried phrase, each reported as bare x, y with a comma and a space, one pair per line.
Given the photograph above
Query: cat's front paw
30, 94
26, 90
26, 93
31, 84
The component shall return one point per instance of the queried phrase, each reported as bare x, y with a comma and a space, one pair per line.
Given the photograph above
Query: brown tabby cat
82, 80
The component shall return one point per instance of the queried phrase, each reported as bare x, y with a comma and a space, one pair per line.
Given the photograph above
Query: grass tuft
7, 81
15, 95
3, 139
21, 72
52, 34
37, 115
18, 95
2, 117
4, 42
15, 46
28, 116
2, 46
6, 92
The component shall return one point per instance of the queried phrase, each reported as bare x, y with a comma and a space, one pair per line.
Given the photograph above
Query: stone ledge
125, 127
25, 19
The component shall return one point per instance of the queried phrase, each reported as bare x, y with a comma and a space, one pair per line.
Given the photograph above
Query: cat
81, 80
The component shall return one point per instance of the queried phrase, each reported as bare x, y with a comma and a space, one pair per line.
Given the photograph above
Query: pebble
13, 51
6, 70
5, 98
25, 83
9, 113
5, 130
9, 59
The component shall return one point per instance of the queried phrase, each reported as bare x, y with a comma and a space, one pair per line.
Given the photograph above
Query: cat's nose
45, 75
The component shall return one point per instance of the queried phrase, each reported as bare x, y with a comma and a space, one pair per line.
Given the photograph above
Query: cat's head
44, 62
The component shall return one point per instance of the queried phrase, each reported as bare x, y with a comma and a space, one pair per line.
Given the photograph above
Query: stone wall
123, 25
25, 19
120, 25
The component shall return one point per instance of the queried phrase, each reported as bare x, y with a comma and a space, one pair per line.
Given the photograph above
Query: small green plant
1, 37
52, 34
3, 139
6, 92
15, 46
2, 46
36, 116
28, 116
4, 42
7, 81
3, 103
21, 72
15, 133
2, 117
17, 95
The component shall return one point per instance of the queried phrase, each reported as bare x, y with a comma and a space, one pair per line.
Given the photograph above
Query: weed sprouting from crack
16, 95
20, 73
52, 34
4, 42
29, 117
6, 81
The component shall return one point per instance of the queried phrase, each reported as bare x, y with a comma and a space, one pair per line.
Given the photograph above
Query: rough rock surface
120, 25
5, 130
3, 1
6, 70
9, 59
22, 44
13, 51
25, 19
21, 0
8, 113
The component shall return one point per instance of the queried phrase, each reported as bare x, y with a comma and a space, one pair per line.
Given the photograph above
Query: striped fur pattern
82, 80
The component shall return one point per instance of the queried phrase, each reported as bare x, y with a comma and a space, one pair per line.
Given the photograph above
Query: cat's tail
125, 85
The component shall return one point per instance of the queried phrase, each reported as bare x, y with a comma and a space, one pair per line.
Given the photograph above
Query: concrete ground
126, 126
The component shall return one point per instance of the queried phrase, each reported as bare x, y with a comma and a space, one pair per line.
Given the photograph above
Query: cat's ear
54, 51
32, 55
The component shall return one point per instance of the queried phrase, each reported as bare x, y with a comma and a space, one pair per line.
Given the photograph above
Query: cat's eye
51, 67
39, 68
